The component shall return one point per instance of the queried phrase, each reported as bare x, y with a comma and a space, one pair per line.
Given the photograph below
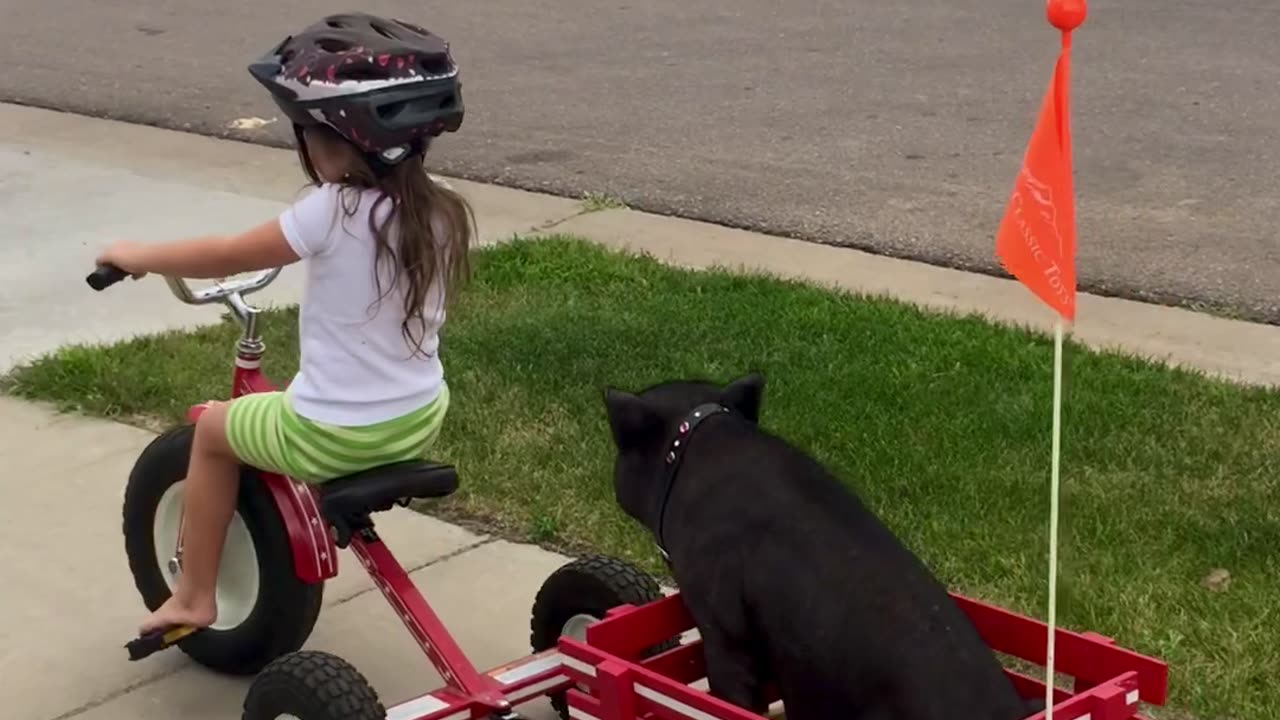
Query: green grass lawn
940, 423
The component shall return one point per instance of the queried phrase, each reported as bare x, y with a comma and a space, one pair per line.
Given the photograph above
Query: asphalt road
890, 125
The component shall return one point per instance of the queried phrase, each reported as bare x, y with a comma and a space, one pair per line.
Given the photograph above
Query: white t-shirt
357, 368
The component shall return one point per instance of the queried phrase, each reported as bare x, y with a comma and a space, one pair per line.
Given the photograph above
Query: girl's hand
127, 255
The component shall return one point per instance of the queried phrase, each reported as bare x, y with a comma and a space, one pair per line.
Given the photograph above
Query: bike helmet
386, 85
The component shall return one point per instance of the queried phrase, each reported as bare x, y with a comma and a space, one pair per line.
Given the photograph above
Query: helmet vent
384, 31
411, 27
436, 65
391, 110
336, 24
359, 72
333, 45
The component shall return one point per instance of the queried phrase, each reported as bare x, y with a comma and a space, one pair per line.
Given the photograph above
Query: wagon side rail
610, 688
1092, 660
1109, 681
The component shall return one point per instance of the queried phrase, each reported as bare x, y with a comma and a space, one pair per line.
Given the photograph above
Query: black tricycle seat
347, 502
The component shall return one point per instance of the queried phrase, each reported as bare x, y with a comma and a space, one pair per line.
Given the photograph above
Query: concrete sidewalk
69, 184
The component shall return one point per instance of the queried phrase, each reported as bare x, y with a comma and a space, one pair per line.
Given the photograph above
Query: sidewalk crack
552, 224
121, 692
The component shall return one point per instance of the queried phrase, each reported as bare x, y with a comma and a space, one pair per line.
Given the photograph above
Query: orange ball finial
1067, 15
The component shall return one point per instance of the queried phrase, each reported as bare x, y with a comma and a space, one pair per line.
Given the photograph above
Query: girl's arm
215, 256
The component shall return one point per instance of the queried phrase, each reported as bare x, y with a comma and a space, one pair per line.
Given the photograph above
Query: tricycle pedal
154, 642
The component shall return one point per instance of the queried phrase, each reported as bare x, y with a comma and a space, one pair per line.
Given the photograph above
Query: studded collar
671, 461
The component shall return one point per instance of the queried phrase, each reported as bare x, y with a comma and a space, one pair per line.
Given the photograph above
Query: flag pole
1036, 243
1054, 485
1065, 15
1055, 471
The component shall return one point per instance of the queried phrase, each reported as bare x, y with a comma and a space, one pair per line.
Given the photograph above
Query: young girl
383, 247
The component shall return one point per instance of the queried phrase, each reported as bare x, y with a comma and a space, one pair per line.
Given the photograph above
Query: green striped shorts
267, 434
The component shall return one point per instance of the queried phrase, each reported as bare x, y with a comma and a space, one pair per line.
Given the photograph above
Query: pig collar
675, 453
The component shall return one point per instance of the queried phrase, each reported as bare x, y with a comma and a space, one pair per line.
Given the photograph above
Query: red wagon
613, 681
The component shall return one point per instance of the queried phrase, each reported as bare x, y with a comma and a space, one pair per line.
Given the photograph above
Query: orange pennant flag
1036, 241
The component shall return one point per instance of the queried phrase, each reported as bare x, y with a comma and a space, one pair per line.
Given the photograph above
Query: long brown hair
418, 258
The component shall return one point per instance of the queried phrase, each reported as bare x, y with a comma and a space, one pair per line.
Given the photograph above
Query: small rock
1217, 580
249, 123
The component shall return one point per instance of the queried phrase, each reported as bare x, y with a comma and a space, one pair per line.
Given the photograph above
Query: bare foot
176, 613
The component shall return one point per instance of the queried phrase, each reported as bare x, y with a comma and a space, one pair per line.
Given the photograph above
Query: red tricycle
607, 644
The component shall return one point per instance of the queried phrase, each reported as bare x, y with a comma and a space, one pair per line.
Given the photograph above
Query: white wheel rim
576, 626
288, 717
237, 575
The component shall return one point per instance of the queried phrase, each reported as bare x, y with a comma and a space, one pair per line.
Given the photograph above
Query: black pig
788, 576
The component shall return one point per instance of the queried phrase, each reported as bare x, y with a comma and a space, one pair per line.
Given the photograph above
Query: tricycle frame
468, 693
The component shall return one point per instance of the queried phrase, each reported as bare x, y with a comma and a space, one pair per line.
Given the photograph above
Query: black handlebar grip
105, 276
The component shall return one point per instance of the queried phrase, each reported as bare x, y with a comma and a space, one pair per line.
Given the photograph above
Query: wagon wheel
581, 593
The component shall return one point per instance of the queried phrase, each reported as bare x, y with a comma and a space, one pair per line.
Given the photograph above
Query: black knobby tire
312, 685
286, 609
588, 586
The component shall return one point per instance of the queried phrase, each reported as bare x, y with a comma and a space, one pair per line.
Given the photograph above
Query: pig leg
732, 673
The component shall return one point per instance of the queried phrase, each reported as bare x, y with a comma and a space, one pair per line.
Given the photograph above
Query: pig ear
744, 396
631, 419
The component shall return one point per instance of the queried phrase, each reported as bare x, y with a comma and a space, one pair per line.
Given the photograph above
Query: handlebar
107, 275
221, 290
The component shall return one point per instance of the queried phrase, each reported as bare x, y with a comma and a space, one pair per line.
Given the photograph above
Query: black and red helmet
386, 85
